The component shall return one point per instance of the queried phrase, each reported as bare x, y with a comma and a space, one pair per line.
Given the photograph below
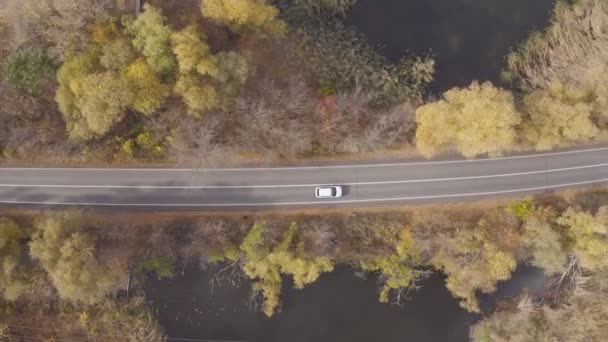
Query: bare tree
275, 119
60, 24
197, 142
351, 124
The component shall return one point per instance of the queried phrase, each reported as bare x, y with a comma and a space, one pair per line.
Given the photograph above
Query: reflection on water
470, 38
338, 307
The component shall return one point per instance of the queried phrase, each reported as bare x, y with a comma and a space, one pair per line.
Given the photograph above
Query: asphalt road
365, 184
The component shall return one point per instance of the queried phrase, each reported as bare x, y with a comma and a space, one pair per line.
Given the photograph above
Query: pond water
339, 307
470, 38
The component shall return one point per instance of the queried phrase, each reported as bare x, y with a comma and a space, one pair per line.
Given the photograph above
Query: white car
328, 191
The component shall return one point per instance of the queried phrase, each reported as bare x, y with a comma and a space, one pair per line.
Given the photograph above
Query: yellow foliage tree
598, 87
589, 236
288, 257
97, 86
102, 104
545, 241
67, 253
149, 92
472, 262
199, 96
245, 15
480, 119
117, 54
91, 100
193, 53
206, 81
557, 116
12, 284
104, 30
396, 269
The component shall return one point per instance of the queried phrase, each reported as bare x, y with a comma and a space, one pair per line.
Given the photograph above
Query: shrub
26, 69
336, 57
162, 266
326, 7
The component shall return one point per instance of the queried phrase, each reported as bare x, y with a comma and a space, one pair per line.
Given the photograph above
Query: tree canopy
473, 262
206, 81
242, 16
151, 36
396, 269
558, 115
265, 264
123, 71
589, 236
546, 243
68, 254
480, 119
12, 283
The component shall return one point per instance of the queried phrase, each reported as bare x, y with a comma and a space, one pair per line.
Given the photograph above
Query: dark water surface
339, 307
470, 38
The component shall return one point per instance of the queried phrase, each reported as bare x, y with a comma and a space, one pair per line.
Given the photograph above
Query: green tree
152, 38
12, 283
243, 16
480, 119
68, 254
25, 69
557, 116
472, 262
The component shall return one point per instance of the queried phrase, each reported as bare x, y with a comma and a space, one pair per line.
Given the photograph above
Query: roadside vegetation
558, 92
86, 83
84, 276
59, 281
187, 83
203, 82
571, 247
